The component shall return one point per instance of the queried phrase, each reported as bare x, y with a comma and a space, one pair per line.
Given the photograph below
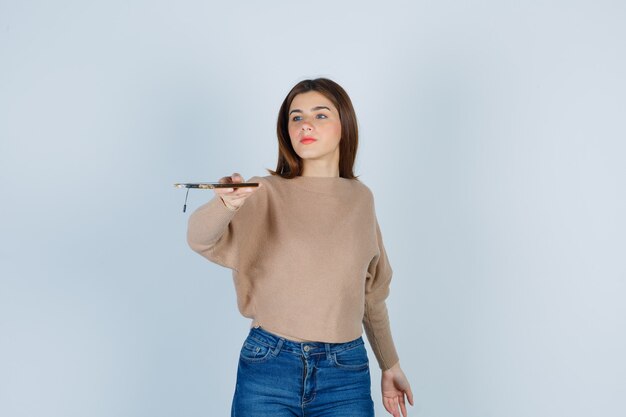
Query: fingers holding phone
233, 198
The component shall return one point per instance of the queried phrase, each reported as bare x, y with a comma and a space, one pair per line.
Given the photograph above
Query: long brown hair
289, 163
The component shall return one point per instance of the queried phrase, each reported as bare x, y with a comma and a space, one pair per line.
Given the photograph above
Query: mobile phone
211, 185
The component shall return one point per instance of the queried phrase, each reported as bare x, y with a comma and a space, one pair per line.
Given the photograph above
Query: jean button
307, 348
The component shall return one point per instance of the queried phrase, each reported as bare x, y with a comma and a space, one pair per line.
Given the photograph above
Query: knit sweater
307, 259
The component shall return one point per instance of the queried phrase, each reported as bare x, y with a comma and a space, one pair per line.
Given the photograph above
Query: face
312, 115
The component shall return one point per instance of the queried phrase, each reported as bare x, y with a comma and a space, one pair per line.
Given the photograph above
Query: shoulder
363, 189
258, 178
268, 186
267, 180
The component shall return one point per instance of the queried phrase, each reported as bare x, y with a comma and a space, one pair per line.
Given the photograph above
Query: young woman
309, 268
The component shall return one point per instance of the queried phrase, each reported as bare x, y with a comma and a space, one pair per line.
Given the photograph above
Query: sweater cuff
224, 204
384, 350
208, 222
217, 208
378, 331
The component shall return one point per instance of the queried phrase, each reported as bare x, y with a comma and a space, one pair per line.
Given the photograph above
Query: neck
319, 169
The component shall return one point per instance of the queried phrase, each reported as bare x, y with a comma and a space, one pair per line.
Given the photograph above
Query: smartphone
210, 185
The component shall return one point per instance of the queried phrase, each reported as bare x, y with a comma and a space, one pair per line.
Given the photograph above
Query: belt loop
279, 346
327, 346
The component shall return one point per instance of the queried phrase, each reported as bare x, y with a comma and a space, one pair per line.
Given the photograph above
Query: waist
272, 340
256, 324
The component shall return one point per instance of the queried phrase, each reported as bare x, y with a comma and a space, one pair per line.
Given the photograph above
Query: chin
310, 155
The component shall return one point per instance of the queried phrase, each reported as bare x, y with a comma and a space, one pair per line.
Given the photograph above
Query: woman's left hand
395, 387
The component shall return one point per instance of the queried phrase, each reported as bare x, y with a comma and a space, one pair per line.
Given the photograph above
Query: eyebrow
313, 109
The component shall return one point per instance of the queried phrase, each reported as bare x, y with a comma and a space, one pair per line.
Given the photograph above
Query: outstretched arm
218, 229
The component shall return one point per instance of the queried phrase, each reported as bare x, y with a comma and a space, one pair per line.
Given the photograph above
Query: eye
322, 116
296, 118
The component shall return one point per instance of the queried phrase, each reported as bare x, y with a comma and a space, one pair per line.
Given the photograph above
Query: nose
306, 126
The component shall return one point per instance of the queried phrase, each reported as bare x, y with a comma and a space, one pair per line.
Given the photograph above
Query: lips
306, 140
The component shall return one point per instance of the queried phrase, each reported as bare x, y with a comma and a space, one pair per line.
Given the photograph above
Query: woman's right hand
233, 198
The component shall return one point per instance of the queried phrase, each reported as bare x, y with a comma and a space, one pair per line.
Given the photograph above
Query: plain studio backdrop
492, 136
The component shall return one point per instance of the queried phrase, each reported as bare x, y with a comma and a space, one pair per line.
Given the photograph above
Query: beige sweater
307, 258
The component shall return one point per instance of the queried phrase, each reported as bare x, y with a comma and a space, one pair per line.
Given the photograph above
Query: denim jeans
278, 377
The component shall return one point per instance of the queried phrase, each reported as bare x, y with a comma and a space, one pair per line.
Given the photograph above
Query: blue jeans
278, 377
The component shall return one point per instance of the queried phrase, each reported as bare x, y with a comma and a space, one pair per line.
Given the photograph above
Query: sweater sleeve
376, 318
220, 234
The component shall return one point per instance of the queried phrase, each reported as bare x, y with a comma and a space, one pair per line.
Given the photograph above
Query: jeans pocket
353, 359
254, 351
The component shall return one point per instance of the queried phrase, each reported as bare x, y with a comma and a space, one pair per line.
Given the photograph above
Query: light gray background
492, 136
